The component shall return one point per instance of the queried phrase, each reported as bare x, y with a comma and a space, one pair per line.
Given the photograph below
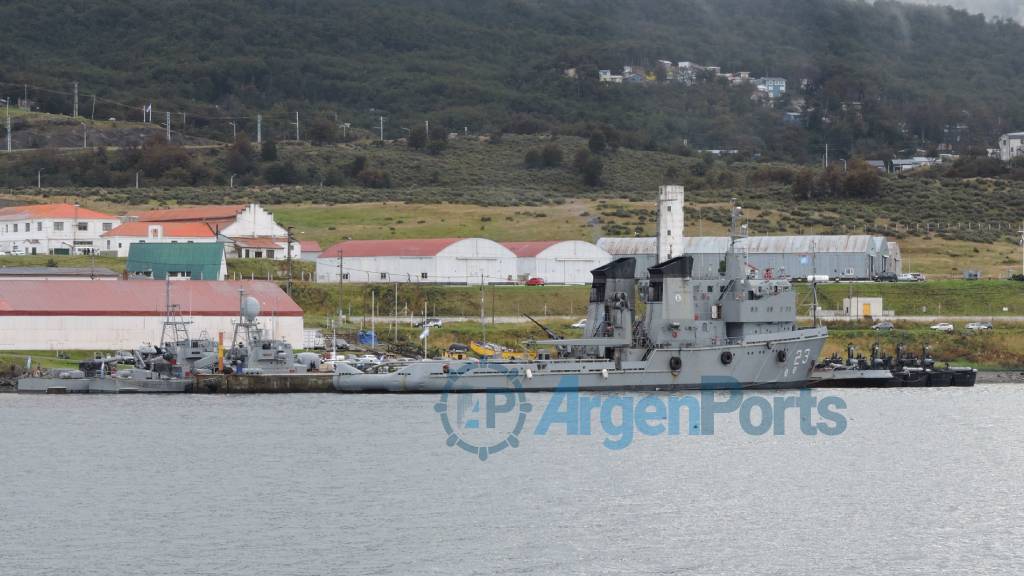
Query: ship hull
773, 364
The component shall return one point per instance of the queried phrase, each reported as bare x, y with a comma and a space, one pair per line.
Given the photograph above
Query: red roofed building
434, 261
557, 261
88, 315
248, 229
53, 229
310, 250
121, 238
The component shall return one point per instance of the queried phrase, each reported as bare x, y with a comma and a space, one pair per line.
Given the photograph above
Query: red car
535, 282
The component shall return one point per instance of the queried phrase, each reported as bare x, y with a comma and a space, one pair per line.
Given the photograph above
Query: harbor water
920, 481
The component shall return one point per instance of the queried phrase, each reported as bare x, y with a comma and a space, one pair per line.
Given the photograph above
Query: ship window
655, 292
597, 293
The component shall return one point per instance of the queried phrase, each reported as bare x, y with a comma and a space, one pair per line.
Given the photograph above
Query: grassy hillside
490, 66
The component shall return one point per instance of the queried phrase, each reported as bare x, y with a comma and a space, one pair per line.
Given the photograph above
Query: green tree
322, 131
240, 156
862, 180
417, 138
356, 167
592, 171
551, 156
598, 142
281, 173
580, 160
533, 159
268, 151
803, 184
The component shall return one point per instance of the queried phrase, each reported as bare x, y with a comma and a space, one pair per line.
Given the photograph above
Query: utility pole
289, 230
259, 128
341, 285
92, 115
137, 179
382, 129
826, 155
426, 127
7, 108
39, 178
296, 126
483, 325
74, 114
85, 135
234, 131
344, 130
1022, 248
168, 117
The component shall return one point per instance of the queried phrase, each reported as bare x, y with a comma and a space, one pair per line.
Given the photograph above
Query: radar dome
250, 308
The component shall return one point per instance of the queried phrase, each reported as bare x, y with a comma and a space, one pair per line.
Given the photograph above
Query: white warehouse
430, 261
557, 262
123, 314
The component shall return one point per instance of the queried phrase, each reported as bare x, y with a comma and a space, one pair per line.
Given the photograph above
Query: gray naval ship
698, 331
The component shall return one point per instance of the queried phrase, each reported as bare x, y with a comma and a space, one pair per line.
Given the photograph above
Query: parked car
943, 327
883, 325
580, 324
911, 277
535, 282
978, 326
429, 323
886, 277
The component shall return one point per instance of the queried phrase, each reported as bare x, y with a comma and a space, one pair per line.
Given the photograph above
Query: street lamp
137, 178
231, 182
39, 178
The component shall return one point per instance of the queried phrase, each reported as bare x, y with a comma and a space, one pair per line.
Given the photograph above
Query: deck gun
551, 334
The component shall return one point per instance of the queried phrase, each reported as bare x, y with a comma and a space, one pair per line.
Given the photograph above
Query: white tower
670, 222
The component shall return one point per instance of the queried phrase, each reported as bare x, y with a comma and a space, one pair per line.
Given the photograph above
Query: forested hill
882, 76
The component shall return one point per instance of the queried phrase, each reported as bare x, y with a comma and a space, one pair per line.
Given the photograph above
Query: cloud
1006, 8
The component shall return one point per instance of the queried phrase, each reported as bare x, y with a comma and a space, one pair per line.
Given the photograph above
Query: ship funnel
612, 300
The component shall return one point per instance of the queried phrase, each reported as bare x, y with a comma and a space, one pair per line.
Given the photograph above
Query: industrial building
429, 261
557, 262
840, 257
89, 315
57, 274
203, 261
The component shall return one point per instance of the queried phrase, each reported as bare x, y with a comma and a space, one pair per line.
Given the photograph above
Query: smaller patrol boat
902, 370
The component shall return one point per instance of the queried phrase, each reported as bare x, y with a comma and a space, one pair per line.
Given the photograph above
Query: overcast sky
1012, 8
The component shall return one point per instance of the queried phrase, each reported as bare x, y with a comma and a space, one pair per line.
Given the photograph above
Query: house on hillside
1011, 146
607, 76
248, 230
310, 250
773, 87
53, 229
189, 261
120, 240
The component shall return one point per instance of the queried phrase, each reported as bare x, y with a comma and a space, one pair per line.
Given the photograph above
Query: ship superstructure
724, 329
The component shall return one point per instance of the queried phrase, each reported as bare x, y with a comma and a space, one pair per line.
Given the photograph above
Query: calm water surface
922, 482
